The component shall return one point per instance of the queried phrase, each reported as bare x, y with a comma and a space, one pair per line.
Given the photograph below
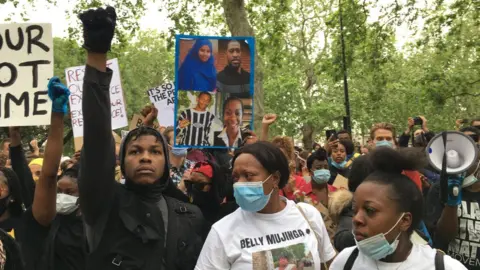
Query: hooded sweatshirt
126, 219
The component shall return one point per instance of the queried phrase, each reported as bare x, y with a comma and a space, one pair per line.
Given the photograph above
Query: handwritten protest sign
75, 76
163, 97
26, 65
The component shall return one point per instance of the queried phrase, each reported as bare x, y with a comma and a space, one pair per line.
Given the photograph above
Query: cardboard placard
26, 65
163, 97
340, 182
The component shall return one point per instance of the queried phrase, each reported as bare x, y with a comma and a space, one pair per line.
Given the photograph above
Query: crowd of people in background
141, 203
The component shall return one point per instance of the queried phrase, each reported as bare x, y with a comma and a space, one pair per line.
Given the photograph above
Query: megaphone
461, 153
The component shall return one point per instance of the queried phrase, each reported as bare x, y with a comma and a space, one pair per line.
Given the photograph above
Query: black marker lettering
35, 40
13, 74
23, 99
38, 100
8, 39
34, 65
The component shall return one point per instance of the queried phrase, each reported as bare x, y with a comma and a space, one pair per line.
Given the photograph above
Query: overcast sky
153, 19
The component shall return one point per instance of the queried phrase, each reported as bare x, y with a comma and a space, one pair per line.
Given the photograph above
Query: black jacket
123, 231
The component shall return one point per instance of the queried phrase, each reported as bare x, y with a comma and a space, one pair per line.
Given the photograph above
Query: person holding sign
197, 71
194, 124
141, 224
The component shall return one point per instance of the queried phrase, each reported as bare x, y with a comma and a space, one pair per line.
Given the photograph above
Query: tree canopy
298, 72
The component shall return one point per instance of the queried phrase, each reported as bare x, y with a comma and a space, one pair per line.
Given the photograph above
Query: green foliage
298, 44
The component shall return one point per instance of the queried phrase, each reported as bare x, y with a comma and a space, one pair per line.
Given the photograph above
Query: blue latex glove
452, 183
58, 94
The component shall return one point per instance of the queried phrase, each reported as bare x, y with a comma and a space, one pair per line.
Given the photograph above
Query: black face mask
199, 197
3, 205
420, 141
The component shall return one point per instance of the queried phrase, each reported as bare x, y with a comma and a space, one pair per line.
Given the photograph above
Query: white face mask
66, 204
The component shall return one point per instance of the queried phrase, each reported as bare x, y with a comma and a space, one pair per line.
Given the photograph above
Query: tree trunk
238, 24
307, 136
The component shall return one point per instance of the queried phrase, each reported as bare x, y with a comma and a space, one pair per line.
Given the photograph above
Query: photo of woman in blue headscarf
197, 71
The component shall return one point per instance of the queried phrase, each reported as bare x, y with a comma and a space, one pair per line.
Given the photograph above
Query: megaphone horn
462, 152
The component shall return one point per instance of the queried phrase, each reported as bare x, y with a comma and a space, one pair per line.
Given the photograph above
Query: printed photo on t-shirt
294, 257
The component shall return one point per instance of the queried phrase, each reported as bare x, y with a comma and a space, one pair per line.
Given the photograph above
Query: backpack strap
351, 260
439, 263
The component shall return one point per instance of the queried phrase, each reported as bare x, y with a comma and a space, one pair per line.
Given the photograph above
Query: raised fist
98, 29
151, 116
58, 93
269, 118
34, 144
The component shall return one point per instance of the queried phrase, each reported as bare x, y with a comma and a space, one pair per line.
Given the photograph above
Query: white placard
163, 97
74, 76
26, 65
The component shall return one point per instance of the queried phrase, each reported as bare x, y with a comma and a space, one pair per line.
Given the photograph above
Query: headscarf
195, 74
164, 185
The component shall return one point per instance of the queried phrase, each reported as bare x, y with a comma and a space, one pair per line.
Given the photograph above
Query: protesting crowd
141, 202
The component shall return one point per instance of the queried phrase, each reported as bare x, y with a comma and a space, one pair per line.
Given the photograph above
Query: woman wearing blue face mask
338, 163
266, 223
387, 207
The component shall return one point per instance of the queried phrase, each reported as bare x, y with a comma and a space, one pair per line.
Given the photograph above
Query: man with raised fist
139, 225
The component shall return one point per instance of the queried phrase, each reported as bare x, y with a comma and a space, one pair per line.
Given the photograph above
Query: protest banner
74, 77
26, 65
218, 72
163, 97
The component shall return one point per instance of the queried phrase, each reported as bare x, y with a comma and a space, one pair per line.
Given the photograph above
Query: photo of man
193, 125
233, 79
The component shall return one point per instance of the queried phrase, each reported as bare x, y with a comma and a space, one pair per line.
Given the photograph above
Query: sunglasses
195, 185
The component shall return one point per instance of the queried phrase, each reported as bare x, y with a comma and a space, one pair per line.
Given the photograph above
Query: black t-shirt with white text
465, 246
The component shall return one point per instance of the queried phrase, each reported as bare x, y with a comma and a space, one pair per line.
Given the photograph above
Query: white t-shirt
422, 257
246, 240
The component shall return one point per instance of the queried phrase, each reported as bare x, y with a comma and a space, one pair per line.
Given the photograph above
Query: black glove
98, 29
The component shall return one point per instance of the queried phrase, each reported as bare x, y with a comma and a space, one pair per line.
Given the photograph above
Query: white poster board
74, 77
163, 97
26, 65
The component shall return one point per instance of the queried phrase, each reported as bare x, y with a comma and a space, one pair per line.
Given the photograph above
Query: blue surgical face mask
321, 176
384, 143
340, 165
179, 152
377, 247
250, 196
